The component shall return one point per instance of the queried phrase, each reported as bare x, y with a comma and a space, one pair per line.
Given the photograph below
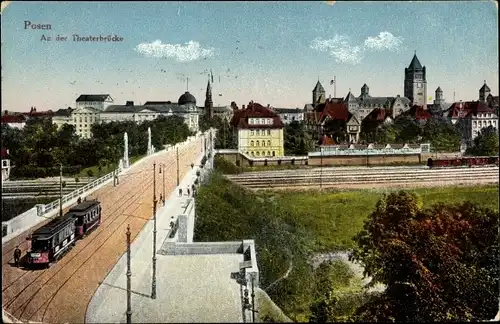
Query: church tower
209, 105
415, 86
319, 94
484, 92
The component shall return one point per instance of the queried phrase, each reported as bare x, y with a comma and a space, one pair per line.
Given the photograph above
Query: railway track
62, 292
365, 177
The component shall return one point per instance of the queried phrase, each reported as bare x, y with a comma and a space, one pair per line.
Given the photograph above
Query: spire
209, 105
415, 63
485, 87
319, 87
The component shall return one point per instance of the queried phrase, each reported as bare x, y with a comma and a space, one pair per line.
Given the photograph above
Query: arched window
257, 153
253, 153
256, 143
274, 153
251, 143
268, 132
269, 143
268, 153
263, 143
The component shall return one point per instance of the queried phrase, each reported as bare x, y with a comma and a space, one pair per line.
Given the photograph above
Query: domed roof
186, 98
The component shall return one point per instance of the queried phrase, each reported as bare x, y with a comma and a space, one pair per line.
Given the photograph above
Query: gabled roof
312, 117
288, 110
379, 114
335, 111
468, 109
318, 87
415, 63
93, 97
64, 112
255, 110
353, 121
439, 89
350, 97
419, 113
492, 101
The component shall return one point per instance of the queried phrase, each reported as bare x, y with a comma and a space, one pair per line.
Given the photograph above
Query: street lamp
153, 283
177, 153
163, 166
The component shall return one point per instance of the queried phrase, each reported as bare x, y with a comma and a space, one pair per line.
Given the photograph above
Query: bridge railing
55, 204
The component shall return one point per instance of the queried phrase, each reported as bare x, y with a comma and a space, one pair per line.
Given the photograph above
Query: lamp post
60, 192
162, 167
129, 274
153, 282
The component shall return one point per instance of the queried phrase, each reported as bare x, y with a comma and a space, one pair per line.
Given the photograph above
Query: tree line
40, 147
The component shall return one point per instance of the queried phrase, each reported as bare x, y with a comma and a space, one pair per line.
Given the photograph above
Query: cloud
190, 51
340, 48
384, 41
344, 51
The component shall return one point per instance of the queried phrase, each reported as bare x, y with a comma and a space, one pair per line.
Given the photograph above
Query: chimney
129, 103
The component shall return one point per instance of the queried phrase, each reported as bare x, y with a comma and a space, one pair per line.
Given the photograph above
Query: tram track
38, 296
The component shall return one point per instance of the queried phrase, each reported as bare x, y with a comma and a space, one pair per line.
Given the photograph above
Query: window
257, 153
251, 143
268, 153
262, 121
251, 132
269, 143
268, 132
85, 118
263, 143
274, 153
80, 119
257, 143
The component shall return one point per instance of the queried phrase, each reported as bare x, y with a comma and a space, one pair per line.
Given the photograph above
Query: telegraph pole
253, 298
60, 192
129, 274
153, 283
177, 152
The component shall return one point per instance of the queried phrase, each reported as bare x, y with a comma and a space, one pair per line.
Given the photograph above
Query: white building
81, 118
97, 101
185, 108
289, 115
472, 116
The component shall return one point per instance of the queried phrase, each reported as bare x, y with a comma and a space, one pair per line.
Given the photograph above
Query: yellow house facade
260, 131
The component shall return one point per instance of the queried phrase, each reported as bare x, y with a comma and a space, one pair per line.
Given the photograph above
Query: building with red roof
259, 130
15, 121
472, 116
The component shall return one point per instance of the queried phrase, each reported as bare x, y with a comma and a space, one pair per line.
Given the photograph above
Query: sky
269, 52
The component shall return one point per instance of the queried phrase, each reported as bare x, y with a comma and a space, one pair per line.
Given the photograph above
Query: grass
280, 222
106, 169
334, 217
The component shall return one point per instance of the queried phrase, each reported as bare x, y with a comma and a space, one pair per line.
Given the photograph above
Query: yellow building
259, 131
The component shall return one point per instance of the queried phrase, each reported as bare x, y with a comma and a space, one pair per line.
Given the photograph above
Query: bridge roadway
366, 177
61, 293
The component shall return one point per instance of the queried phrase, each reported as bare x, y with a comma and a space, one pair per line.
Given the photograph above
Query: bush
90, 173
225, 166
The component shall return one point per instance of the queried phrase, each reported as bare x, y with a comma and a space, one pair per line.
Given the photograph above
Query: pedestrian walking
79, 200
180, 192
17, 256
189, 192
161, 197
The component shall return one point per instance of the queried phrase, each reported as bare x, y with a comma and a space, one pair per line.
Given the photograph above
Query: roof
326, 140
485, 88
419, 113
312, 117
374, 100
336, 111
47, 113
53, 227
288, 110
167, 108
318, 87
152, 103
350, 97
439, 89
492, 101
415, 63
84, 206
64, 112
93, 97
255, 110
378, 114
186, 98
468, 109
8, 119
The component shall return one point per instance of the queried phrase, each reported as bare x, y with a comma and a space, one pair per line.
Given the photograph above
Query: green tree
438, 264
442, 134
407, 129
486, 143
296, 140
336, 129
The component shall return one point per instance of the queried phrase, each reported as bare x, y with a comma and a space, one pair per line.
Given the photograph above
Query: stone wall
366, 160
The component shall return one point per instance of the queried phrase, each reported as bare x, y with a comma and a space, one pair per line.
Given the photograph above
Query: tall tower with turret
415, 86
319, 94
209, 105
439, 99
484, 92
